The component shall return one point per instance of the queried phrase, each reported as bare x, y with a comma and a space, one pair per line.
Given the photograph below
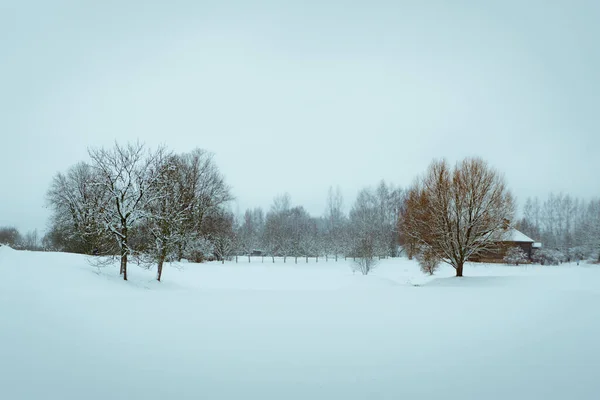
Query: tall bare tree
335, 223
277, 235
365, 243
125, 176
457, 213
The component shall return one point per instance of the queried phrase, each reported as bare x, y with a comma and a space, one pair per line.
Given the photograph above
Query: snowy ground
305, 331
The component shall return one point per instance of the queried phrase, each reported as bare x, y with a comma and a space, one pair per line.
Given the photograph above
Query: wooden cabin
511, 237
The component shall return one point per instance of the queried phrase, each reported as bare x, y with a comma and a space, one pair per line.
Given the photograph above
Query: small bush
364, 264
515, 256
428, 261
549, 257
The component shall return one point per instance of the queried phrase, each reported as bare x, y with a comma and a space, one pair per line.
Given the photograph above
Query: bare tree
250, 232
458, 213
31, 240
125, 176
592, 226
335, 223
297, 224
277, 235
364, 231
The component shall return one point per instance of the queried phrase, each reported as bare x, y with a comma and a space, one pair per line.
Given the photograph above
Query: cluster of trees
367, 233
569, 228
129, 200
11, 236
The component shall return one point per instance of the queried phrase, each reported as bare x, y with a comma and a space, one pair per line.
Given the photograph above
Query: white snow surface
305, 331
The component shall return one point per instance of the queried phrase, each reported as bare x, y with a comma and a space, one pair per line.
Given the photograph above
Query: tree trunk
159, 268
296, 259
222, 260
124, 265
317, 259
248, 258
124, 258
273, 257
307, 259
459, 270
161, 260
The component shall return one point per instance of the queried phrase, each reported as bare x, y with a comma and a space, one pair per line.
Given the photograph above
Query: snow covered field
305, 331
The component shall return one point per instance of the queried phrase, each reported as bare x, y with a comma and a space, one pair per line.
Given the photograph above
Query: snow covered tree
310, 239
515, 256
124, 175
298, 221
592, 226
561, 222
390, 201
530, 223
76, 226
335, 224
220, 224
251, 231
198, 248
364, 234
10, 236
458, 212
168, 208
31, 240
277, 228
206, 191
548, 257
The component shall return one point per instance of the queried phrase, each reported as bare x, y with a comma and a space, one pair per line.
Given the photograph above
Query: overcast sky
298, 96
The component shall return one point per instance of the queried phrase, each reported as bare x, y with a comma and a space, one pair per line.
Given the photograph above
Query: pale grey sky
298, 96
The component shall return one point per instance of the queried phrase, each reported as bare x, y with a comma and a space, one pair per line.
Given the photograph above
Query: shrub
549, 257
515, 256
428, 261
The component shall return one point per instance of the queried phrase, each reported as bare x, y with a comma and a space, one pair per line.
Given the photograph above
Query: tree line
568, 227
369, 230
157, 206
